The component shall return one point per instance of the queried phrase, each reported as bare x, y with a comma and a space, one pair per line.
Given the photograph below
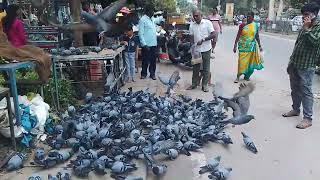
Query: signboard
229, 11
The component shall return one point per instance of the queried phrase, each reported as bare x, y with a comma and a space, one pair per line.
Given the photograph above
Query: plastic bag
196, 55
262, 56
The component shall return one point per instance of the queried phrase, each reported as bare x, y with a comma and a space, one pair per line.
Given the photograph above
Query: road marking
198, 159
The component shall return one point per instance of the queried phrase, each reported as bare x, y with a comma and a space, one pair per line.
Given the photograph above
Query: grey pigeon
99, 166
172, 154
191, 146
35, 177
64, 174
121, 167
88, 97
171, 81
39, 155
225, 138
159, 170
71, 110
211, 165
50, 177
239, 120
120, 177
244, 90
16, 162
220, 173
249, 143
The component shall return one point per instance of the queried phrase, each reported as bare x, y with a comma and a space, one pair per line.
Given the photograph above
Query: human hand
200, 42
125, 43
307, 22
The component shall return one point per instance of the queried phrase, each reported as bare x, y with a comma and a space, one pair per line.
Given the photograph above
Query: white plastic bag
262, 56
196, 55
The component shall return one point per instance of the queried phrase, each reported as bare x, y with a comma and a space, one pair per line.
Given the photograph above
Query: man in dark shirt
131, 53
302, 64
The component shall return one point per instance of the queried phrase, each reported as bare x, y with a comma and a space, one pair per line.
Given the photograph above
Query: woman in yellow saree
249, 47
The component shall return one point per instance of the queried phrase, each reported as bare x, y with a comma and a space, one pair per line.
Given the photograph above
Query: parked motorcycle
179, 48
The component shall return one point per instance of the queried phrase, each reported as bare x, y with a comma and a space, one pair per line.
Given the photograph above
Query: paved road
284, 152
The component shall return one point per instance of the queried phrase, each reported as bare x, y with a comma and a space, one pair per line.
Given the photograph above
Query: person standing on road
202, 32
216, 20
148, 42
302, 64
248, 41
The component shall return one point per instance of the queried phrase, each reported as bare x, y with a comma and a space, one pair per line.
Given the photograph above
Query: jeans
301, 90
130, 59
149, 57
206, 56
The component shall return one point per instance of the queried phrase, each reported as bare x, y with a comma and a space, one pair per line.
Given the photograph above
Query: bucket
95, 70
163, 57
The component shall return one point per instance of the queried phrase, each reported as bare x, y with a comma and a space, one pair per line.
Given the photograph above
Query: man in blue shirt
148, 42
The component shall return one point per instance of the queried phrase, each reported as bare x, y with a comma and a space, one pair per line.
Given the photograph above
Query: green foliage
298, 3
66, 92
65, 88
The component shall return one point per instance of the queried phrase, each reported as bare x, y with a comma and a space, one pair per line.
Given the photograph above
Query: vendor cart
113, 68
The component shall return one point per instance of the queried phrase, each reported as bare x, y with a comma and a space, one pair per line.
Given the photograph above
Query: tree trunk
271, 10
280, 9
75, 7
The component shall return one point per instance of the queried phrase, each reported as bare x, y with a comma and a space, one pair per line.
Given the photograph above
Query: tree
298, 3
165, 5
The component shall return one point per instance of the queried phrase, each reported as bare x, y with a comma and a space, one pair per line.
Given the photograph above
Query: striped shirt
306, 51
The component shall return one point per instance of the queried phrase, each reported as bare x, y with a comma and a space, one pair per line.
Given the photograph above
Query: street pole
201, 5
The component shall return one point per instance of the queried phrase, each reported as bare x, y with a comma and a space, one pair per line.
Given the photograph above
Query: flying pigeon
171, 81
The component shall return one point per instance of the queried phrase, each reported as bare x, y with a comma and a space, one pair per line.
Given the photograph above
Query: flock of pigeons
108, 133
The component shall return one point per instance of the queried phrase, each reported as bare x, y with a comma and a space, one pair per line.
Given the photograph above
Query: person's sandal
304, 124
291, 113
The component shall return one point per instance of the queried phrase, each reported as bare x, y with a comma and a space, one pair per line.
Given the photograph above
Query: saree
249, 54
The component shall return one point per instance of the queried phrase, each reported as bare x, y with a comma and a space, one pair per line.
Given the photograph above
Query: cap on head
311, 8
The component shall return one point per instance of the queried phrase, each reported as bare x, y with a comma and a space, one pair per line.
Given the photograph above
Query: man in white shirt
202, 32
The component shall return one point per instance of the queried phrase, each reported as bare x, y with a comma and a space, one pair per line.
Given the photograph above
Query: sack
262, 57
196, 55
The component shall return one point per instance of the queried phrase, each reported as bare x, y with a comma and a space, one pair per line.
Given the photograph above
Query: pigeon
88, 97
39, 155
71, 110
121, 167
16, 162
50, 177
64, 175
35, 177
172, 154
191, 146
159, 170
211, 165
244, 90
220, 173
171, 81
120, 177
225, 138
239, 120
99, 166
249, 143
